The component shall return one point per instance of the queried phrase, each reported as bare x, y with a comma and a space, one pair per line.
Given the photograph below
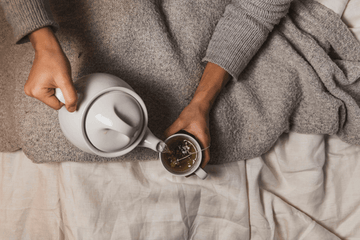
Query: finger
204, 140
206, 158
68, 89
53, 102
47, 96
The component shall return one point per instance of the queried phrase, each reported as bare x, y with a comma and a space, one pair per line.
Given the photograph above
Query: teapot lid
114, 121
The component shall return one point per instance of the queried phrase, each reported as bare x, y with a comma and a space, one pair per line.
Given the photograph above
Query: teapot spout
152, 142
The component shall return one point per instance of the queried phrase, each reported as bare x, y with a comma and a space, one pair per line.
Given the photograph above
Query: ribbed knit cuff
26, 16
241, 32
235, 41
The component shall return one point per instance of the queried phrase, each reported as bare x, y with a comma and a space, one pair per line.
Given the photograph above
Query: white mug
195, 168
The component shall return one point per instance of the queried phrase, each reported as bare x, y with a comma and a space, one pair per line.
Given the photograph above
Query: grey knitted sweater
238, 35
303, 78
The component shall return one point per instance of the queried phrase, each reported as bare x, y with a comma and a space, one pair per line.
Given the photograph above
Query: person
238, 35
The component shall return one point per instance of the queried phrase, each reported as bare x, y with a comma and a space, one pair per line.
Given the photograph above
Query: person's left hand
194, 119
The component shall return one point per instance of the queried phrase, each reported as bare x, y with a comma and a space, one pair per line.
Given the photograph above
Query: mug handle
201, 173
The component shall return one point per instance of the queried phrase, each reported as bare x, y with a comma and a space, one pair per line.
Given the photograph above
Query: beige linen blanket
306, 187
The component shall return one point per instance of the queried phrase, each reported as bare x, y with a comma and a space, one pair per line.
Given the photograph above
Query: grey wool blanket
305, 78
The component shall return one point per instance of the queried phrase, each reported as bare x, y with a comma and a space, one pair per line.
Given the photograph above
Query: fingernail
72, 109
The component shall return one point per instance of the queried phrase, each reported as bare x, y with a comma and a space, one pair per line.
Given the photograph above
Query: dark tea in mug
181, 154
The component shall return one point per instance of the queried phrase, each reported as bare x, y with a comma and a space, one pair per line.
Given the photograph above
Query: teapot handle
59, 95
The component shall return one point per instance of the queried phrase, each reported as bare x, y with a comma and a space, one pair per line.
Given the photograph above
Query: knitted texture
28, 16
304, 77
238, 36
241, 32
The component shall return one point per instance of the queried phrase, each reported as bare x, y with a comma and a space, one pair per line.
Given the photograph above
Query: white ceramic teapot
111, 119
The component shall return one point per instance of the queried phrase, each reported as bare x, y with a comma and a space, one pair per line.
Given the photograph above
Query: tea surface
181, 154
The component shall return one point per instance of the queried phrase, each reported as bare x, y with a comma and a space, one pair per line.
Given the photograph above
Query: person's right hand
51, 69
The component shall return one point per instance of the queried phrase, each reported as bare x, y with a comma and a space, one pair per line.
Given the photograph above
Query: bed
305, 187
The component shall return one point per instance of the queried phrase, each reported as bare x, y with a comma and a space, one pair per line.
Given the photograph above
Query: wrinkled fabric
306, 187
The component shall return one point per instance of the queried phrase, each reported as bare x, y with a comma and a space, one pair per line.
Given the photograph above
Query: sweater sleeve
242, 30
26, 16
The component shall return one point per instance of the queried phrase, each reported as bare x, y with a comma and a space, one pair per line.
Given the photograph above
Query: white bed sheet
305, 187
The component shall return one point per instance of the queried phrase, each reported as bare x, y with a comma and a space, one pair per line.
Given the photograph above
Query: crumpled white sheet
305, 187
